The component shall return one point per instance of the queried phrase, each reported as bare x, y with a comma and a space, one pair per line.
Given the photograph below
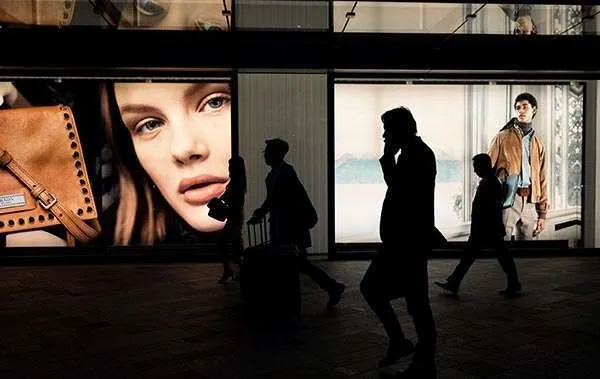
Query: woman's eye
213, 103
216, 102
149, 7
147, 126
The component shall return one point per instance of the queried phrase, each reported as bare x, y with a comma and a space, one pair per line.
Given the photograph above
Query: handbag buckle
50, 204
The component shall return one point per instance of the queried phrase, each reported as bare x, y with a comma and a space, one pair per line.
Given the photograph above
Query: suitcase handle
262, 232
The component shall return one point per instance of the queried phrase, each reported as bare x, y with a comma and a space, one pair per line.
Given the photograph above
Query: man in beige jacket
519, 160
520, 154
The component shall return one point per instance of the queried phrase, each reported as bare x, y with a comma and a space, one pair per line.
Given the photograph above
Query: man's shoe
228, 273
335, 295
396, 351
418, 370
448, 286
511, 291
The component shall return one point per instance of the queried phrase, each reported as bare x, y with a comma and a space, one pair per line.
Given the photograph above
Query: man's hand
390, 149
539, 226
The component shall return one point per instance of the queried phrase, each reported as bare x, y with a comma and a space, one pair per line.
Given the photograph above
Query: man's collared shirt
525, 178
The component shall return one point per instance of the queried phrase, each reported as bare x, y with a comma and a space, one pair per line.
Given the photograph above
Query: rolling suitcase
269, 277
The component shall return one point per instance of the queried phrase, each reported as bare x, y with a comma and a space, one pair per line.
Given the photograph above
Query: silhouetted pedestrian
407, 231
487, 228
230, 244
292, 215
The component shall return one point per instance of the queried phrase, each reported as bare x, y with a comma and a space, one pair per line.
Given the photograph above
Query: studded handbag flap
37, 12
43, 177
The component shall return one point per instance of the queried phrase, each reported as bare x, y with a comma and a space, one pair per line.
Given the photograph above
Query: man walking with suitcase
292, 215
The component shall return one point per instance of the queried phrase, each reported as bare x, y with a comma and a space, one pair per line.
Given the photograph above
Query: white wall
292, 107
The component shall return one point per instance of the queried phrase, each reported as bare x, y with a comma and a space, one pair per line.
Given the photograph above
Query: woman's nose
187, 147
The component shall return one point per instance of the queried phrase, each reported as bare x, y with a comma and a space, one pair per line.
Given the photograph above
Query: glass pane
385, 17
558, 143
457, 121
574, 143
359, 185
124, 14
284, 15
392, 17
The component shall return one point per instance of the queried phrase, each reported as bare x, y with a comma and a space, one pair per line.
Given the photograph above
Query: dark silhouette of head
275, 151
399, 126
482, 165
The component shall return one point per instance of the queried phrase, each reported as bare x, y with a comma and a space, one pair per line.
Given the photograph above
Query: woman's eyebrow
204, 88
137, 108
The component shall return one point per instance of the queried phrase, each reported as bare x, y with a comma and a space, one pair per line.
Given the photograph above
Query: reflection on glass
457, 121
518, 19
199, 15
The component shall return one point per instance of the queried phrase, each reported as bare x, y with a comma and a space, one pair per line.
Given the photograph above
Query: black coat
487, 227
407, 215
287, 203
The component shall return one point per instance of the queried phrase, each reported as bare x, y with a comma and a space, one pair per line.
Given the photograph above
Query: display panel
138, 160
204, 15
457, 121
469, 18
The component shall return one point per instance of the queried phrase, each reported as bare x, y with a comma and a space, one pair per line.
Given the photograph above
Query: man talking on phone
407, 231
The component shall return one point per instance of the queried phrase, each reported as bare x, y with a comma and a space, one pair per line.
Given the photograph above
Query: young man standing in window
518, 151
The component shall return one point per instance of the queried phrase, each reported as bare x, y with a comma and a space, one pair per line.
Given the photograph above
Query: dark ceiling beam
84, 51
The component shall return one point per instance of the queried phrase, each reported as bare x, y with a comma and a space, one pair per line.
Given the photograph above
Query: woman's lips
203, 194
200, 189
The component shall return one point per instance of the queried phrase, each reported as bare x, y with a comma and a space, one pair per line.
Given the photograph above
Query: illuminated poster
204, 15
120, 163
458, 122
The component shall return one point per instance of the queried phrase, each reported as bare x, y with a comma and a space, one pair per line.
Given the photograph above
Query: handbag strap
77, 227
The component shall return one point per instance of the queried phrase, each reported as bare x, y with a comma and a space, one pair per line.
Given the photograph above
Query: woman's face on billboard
181, 134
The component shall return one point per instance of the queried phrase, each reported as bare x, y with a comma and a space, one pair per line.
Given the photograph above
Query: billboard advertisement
108, 162
459, 121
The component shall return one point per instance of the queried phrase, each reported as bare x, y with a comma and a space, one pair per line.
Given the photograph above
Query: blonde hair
525, 24
141, 211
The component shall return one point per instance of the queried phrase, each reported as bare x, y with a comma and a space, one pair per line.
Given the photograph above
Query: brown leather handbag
43, 178
37, 12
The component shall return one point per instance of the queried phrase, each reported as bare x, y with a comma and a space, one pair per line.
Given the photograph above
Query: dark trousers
230, 244
470, 255
316, 274
386, 280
